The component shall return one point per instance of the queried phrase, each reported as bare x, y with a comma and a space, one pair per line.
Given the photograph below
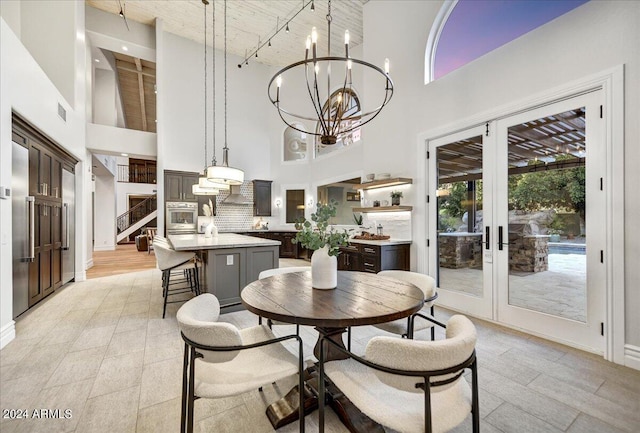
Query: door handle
487, 239
65, 227
32, 228
500, 239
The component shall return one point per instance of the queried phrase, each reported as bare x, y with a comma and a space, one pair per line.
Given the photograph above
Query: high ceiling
248, 20
137, 79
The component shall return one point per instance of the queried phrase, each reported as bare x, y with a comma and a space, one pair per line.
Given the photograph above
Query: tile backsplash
232, 216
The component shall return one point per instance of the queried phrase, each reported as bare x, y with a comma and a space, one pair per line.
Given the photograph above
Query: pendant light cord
213, 160
225, 74
205, 85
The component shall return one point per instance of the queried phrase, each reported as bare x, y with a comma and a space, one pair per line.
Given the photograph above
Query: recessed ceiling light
96, 60
124, 154
124, 48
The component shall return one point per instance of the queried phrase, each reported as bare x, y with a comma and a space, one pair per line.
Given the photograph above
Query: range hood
235, 197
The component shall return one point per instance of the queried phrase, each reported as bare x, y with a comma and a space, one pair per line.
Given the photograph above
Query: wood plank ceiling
543, 144
248, 21
137, 79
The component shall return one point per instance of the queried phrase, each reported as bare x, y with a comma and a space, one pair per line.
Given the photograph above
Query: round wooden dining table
360, 298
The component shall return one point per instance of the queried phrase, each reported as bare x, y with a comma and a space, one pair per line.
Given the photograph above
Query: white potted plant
325, 242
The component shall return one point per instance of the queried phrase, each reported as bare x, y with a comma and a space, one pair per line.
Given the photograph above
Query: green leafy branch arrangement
323, 233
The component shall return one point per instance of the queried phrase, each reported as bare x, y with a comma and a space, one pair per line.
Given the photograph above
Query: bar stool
179, 265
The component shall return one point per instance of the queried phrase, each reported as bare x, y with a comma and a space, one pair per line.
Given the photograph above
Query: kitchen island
231, 261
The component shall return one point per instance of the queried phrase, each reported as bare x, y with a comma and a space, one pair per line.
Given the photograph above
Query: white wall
48, 32
104, 98
105, 213
592, 38
10, 13
112, 140
125, 189
27, 90
180, 111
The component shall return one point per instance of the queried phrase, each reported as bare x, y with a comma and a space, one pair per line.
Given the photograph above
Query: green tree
549, 189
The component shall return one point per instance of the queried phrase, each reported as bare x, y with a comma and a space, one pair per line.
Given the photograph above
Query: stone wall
460, 250
528, 253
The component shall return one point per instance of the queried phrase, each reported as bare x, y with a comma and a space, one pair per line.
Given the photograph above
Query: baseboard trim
7, 333
105, 248
89, 264
81, 276
632, 356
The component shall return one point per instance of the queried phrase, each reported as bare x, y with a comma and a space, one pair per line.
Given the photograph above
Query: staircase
136, 217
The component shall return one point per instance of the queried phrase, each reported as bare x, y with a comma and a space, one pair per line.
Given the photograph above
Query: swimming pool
563, 248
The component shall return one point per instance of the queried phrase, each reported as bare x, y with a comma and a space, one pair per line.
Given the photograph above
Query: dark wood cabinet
288, 249
177, 186
46, 162
374, 258
349, 258
45, 173
262, 197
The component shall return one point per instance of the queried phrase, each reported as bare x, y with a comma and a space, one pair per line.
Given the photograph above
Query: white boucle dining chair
407, 327
176, 264
411, 386
221, 360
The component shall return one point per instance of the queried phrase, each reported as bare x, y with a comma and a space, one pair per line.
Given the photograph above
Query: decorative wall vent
62, 112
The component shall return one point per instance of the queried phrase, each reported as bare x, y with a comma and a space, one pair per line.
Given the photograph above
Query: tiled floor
101, 350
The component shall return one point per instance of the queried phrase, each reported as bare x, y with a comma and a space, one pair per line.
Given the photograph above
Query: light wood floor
126, 258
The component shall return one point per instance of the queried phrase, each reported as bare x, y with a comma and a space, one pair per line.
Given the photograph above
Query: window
467, 29
294, 205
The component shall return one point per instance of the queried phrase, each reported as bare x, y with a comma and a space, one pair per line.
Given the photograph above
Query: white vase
211, 231
324, 269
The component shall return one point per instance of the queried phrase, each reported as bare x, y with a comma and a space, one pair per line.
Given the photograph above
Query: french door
520, 221
461, 177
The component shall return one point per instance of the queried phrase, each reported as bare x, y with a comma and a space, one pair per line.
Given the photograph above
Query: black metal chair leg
185, 367
349, 338
433, 328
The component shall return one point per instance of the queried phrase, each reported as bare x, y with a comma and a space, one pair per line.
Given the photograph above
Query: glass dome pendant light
223, 173
204, 187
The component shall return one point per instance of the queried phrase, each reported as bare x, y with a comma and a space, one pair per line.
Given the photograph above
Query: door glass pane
294, 205
547, 202
460, 224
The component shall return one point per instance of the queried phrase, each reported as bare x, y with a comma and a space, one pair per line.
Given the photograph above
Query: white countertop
382, 243
223, 240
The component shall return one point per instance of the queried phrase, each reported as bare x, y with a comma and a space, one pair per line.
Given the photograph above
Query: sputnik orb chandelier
333, 115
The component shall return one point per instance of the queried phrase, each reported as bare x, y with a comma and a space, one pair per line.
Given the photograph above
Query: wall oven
182, 218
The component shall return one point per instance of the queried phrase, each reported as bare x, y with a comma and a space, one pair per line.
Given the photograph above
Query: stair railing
136, 213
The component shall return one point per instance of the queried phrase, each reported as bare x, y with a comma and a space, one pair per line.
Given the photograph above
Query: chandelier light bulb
341, 112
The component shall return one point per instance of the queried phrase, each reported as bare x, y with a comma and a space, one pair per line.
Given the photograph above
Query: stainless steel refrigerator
68, 226
23, 236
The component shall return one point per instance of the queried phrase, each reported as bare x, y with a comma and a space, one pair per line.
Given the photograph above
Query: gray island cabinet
231, 261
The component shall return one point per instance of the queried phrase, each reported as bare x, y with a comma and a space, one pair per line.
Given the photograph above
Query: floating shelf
384, 183
383, 209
